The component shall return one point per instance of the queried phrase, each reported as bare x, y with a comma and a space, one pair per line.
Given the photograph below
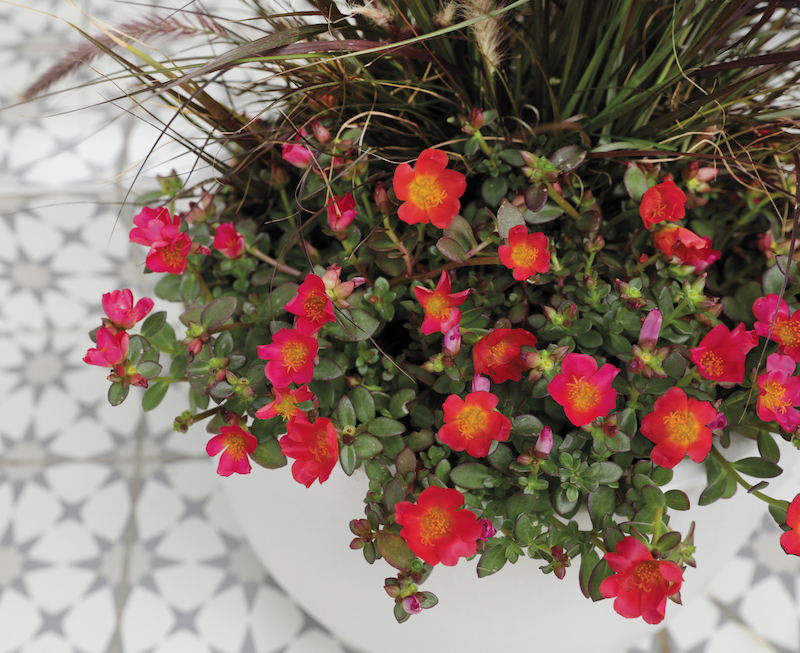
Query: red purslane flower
312, 305
472, 424
228, 241
786, 331
315, 448
686, 247
640, 583
121, 312
298, 155
236, 445
497, 354
159, 231
291, 357
154, 227
112, 347
436, 529
721, 353
679, 425
790, 540
583, 390
440, 304
779, 393
341, 212
429, 191
664, 201
526, 254
285, 403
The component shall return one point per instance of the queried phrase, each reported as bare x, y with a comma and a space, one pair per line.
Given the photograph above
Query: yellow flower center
295, 355
681, 426
524, 256
714, 365
236, 446
320, 449
433, 524
426, 192
287, 407
774, 397
172, 256
659, 209
438, 307
471, 421
647, 575
582, 394
788, 332
314, 306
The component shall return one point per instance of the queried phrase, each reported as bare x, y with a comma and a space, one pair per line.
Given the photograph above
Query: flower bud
411, 605
481, 384
544, 443
320, 132
487, 529
452, 342
651, 327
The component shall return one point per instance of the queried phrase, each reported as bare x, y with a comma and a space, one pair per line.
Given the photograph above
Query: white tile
182, 642
68, 542
693, 623
37, 510
768, 609
6, 503
193, 540
83, 438
55, 588
275, 620
107, 513
37, 240
75, 482
732, 636
146, 621
61, 409
20, 620
188, 586
218, 510
22, 311
315, 641
157, 509
222, 622
30, 143
89, 625
48, 642
193, 479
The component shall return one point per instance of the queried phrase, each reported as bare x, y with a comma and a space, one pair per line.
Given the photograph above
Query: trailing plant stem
271, 261
726, 465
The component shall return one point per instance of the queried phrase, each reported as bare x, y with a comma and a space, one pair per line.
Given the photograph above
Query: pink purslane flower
154, 227
159, 231
786, 331
790, 540
291, 358
312, 305
439, 305
583, 390
721, 353
298, 155
341, 212
111, 348
228, 241
779, 393
640, 583
122, 314
236, 444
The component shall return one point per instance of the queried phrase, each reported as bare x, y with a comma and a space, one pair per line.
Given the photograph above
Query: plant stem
657, 524
565, 206
726, 465
271, 261
483, 260
675, 314
206, 292
400, 247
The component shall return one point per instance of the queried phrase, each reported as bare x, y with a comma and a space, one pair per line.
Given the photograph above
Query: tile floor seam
130, 531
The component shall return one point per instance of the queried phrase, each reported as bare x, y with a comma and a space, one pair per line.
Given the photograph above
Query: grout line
136, 487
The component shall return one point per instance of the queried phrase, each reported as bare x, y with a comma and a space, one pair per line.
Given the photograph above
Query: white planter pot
301, 535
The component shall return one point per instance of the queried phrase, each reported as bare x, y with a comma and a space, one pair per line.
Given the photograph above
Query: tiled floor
114, 536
